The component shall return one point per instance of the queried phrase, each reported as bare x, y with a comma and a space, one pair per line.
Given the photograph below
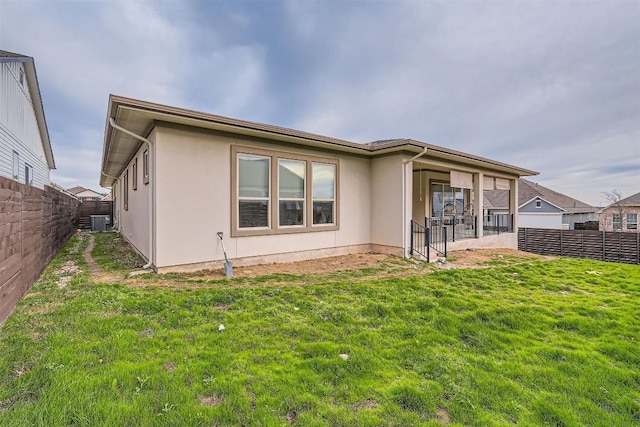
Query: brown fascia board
273, 131
288, 135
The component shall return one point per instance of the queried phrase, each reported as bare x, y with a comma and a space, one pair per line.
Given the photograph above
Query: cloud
551, 87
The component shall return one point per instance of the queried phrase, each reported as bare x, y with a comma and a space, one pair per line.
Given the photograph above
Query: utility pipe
113, 124
404, 197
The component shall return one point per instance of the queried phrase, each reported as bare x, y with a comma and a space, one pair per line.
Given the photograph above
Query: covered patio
448, 203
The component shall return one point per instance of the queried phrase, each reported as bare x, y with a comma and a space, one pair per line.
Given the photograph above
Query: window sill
283, 230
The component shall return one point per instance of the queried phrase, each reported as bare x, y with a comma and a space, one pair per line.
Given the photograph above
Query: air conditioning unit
99, 222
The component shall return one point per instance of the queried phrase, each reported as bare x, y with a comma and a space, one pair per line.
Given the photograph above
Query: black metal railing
419, 240
456, 227
497, 224
438, 234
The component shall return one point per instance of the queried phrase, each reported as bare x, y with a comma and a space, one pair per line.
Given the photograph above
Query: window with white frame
617, 221
538, 203
16, 165
145, 167
134, 174
277, 192
632, 221
125, 190
21, 77
28, 174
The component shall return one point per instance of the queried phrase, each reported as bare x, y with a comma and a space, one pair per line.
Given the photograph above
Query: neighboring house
542, 207
179, 176
25, 149
85, 194
622, 215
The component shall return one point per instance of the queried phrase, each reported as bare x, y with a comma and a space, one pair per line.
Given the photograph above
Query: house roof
627, 202
77, 191
140, 117
36, 99
528, 191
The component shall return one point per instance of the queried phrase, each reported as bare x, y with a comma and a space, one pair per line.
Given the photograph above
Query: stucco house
180, 176
25, 148
622, 215
542, 207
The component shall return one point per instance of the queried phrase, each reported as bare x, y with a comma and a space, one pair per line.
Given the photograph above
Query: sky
550, 86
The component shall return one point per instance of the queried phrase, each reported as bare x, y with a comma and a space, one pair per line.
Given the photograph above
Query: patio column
478, 202
513, 202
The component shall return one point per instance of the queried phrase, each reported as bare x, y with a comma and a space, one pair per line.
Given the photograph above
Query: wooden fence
34, 225
89, 208
601, 245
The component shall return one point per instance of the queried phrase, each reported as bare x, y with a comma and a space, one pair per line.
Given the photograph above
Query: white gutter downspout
148, 141
404, 196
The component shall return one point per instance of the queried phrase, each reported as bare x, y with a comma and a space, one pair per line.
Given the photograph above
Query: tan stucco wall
387, 221
193, 201
134, 222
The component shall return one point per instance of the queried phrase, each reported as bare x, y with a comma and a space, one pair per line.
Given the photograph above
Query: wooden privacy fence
89, 208
34, 225
601, 245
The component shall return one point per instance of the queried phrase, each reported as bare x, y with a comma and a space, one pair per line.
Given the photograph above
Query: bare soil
366, 267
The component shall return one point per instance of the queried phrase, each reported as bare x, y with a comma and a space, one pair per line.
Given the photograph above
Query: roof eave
38, 107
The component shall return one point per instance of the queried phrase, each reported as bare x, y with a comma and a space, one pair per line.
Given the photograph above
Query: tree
613, 217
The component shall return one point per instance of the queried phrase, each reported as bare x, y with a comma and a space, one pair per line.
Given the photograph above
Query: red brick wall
34, 225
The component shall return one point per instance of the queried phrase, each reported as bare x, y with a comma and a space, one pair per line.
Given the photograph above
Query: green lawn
539, 343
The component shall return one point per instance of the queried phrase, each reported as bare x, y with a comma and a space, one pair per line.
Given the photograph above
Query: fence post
411, 238
453, 229
444, 235
603, 245
427, 242
475, 225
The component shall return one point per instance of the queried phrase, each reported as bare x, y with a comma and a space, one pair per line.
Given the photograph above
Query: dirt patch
366, 404
291, 417
215, 400
357, 266
321, 266
6, 404
443, 415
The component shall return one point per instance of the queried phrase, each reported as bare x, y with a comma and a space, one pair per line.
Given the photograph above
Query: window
449, 201
538, 203
21, 77
324, 193
145, 167
28, 174
277, 192
253, 191
125, 190
134, 173
291, 192
632, 221
617, 221
16, 165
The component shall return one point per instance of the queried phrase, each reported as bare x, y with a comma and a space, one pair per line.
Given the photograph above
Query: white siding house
25, 149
